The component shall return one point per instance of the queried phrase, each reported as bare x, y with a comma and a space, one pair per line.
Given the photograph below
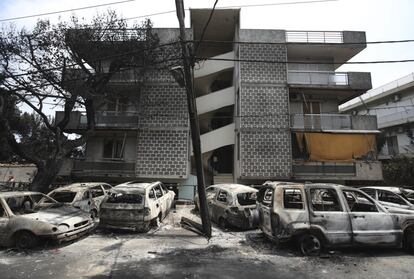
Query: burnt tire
223, 223
25, 240
310, 244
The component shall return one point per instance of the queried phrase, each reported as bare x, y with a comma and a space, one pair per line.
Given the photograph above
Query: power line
206, 26
65, 11
164, 12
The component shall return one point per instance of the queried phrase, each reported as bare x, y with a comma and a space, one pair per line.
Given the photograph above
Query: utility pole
195, 129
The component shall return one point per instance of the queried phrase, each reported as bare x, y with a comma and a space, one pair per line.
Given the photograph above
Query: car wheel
310, 245
223, 224
25, 240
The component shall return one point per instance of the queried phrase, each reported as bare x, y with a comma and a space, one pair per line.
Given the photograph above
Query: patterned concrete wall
265, 144
162, 153
163, 135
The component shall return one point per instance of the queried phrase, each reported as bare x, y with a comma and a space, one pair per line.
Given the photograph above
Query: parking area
173, 252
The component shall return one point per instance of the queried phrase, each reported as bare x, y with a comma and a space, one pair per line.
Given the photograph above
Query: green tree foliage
399, 172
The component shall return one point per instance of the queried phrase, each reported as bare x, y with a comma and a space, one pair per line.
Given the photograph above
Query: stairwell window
113, 149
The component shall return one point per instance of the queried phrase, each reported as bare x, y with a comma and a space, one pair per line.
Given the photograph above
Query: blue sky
380, 19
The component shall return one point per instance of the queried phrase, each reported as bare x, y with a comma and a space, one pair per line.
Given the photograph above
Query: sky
382, 20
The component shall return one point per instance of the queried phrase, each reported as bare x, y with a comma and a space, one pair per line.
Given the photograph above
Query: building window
392, 145
117, 105
113, 149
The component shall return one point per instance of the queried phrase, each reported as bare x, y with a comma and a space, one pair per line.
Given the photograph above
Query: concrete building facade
393, 105
266, 99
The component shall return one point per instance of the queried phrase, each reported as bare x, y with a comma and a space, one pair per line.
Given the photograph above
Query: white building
393, 104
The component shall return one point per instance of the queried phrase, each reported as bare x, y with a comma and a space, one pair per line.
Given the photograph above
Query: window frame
332, 190
368, 197
294, 189
218, 195
392, 194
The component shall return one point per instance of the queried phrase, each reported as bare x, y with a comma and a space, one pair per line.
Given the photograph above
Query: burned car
85, 196
392, 198
330, 215
136, 206
231, 205
24, 220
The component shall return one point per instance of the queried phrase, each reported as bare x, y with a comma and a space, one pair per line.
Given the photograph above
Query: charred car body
85, 196
136, 206
232, 205
318, 215
394, 199
24, 219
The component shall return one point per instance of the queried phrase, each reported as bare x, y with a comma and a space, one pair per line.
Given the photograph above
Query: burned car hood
56, 216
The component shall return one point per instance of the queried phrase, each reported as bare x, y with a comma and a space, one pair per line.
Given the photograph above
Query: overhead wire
64, 11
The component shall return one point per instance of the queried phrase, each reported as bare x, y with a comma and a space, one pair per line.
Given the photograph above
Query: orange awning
323, 147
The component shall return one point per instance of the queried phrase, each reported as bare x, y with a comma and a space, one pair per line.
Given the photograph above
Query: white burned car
136, 206
231, 205
24, 220
330, 215
85, 196
394, 199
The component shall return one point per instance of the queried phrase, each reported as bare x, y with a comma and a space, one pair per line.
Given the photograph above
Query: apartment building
393, 105
267, 102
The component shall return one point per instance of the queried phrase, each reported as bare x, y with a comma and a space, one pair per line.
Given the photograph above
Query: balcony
359, 170
333, 122
334, 80
338, 45
103, 120
396, 118
103, 168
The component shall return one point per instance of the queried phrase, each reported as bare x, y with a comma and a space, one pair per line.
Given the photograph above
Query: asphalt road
172, 252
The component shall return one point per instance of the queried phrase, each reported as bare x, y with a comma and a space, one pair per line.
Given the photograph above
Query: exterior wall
162, 149
264, 145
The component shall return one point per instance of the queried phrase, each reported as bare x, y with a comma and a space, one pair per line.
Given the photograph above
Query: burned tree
70, 65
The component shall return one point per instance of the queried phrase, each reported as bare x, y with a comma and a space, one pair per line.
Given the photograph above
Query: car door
265, 200
168, 197
84, 201
327, 213
4, 224
371, 225
220, 204
160, 201
98, 195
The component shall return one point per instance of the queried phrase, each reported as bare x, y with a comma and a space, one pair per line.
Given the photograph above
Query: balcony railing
103, 168
326, 122
103, 119
327, 37
318, 78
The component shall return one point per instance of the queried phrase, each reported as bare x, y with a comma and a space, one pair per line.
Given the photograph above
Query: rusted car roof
235, 188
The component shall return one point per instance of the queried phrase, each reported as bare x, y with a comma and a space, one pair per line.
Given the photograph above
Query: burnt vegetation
67, 65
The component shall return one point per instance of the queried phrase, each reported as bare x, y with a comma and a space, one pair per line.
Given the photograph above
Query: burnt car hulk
24, 220
330, 215
231, 205
136, 206
85, 196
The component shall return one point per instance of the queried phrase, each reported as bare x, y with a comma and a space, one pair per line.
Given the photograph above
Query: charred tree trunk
46, 175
